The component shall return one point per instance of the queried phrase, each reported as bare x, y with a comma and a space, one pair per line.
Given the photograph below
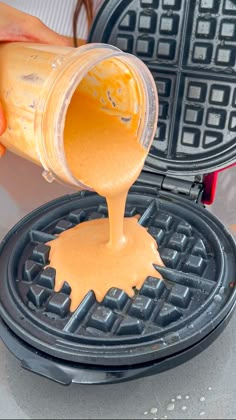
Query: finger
45, 35
3, 122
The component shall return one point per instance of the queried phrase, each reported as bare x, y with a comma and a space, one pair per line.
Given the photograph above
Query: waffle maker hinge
191, 188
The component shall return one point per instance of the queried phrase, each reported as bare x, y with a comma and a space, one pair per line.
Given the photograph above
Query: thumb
45, 35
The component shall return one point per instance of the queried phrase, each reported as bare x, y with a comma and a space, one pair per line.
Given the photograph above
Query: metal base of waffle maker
166, 323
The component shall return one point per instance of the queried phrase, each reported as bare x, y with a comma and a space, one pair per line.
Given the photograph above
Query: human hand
18, 26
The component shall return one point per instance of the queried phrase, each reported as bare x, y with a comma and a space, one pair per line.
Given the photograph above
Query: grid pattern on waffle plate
152, 33
163, 318
214, 20
206, 115
189, 46
156, 307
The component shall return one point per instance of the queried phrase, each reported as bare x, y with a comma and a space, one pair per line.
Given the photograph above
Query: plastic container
38, 82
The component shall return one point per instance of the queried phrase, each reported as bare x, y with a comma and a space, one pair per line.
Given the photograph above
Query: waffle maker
189, 47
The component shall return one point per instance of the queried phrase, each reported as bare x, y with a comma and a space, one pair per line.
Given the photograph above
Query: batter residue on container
115, 252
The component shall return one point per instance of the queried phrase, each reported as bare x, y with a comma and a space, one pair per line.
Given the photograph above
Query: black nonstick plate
189, 47
163, 320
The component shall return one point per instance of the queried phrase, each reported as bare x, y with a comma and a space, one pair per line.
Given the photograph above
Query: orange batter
116, 252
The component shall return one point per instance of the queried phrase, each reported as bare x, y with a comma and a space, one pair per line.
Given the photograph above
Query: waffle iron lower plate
164, 324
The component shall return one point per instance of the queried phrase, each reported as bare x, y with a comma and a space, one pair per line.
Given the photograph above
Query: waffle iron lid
189, 47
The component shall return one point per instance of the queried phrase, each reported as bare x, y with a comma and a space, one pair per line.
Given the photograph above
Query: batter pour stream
115, 252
